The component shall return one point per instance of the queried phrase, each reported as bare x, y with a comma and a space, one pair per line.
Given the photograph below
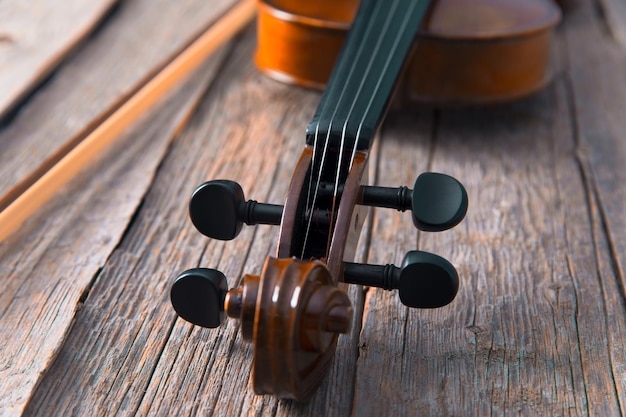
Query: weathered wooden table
538, 327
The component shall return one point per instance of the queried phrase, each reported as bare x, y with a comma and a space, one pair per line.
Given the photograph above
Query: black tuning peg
218, 209
198, 296
437, 201
424, 280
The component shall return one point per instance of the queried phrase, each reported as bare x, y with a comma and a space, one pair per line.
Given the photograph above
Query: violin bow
105, 135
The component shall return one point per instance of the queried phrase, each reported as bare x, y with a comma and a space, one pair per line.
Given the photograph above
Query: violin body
466, 51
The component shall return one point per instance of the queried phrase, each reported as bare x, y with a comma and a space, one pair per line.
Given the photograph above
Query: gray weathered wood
598, 78
47, 270
35, 36
138, 39
614, 11
241, 144
537, 327
491, 350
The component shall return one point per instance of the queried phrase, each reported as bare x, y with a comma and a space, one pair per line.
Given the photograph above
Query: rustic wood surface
138, 39
538, 327
614, 12
107, 195
35, 36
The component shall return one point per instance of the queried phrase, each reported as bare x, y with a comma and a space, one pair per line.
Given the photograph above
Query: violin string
403, 26
310, 185
311, 205
379, 41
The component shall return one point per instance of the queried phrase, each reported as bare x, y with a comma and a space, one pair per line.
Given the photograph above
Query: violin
466, 51
294, 310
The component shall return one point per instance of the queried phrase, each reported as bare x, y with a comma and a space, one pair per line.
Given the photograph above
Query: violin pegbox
294, 311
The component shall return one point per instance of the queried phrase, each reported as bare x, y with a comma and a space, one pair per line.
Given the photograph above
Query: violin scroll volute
300, 313
292, 315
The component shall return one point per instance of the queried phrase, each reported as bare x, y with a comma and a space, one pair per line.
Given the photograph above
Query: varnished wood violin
294, 310
465, 52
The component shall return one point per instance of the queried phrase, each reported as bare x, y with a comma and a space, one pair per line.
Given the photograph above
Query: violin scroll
292, 314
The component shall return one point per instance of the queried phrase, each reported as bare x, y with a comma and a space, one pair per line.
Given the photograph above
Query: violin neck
359, 90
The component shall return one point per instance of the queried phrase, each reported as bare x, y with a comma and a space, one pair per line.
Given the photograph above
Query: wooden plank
598, 93
137, 41
537, 328
486, 352
48, 269
491, 350
104, 135
35, 36
614, 13
142, 358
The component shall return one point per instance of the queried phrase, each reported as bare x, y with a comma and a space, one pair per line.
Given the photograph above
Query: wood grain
187, 370
35, 36
138, 40
48, 269
537, 327
104, 135
598, 94
613, 13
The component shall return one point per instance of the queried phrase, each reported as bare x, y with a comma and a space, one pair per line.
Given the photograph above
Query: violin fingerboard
360, 86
